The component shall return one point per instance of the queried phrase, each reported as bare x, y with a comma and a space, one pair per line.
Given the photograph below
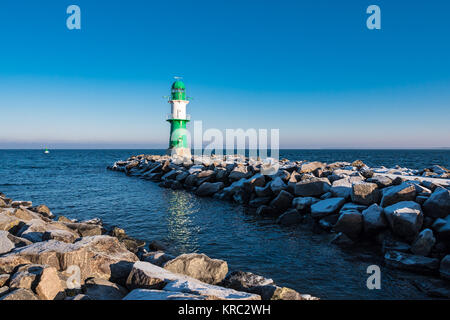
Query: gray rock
199, 266
245, 281
423, 243
373, 219
26, 276
326, 207
441, 228
101, 289
311, 166
145, 275
277, 185
6, 245
263, 192
365, 193
258, 180
43, 210
158, 258
207, 188
381, 181
312, 187
20, 294
438, 204
405, 218
394, 194
290, 217
444, 269
350, 223
146, 294
303, 203
343, 187
409, 262
282, 202
239, 172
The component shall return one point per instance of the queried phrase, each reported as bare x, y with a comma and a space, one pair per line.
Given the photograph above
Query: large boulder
146, 294
50, 286
239, 172
313, 187
423, 243
264, 192
20, 294
438, 204
311, 166
350, 223
208, 189
373, 219
145, 275
245, 281
199, 266
282, 202
405, 218
365, 193
26, 276
86, 229
343, 187
97, 256
277, 185
394, 194
409, 262
10, 224
326, 207
381, 181
101, 289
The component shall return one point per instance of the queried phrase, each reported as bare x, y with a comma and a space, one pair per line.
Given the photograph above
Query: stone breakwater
47, 258
405, 212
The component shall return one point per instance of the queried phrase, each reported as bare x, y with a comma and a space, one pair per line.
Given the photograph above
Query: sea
76, 184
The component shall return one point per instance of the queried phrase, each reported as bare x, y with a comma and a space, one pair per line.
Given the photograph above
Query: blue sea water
76, 184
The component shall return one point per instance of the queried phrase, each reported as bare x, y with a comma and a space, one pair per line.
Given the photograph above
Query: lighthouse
178, 142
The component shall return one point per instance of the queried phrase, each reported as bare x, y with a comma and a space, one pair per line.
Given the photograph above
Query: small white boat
46, 151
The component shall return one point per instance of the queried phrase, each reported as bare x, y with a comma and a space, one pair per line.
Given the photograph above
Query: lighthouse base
180, 152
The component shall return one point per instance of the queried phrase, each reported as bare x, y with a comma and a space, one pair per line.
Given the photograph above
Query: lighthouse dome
178, 85
178, 90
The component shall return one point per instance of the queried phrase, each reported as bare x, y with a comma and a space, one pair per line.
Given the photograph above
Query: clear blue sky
310, 68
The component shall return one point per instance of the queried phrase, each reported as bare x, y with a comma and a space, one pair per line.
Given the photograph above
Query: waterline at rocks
47, 258
403, 211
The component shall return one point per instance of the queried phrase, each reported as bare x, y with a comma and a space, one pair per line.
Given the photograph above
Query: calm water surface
76, 184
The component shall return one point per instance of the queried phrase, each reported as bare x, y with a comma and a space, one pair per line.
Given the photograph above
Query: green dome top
178, 85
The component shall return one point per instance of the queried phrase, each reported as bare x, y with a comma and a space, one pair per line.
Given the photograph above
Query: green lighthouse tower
178, 142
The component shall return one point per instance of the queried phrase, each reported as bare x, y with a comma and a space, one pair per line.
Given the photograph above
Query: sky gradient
309, 68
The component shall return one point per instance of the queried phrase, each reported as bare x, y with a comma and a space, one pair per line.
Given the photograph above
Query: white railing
170, 116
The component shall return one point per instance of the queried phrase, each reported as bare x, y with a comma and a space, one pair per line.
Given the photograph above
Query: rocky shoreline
47, 258
405, 212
